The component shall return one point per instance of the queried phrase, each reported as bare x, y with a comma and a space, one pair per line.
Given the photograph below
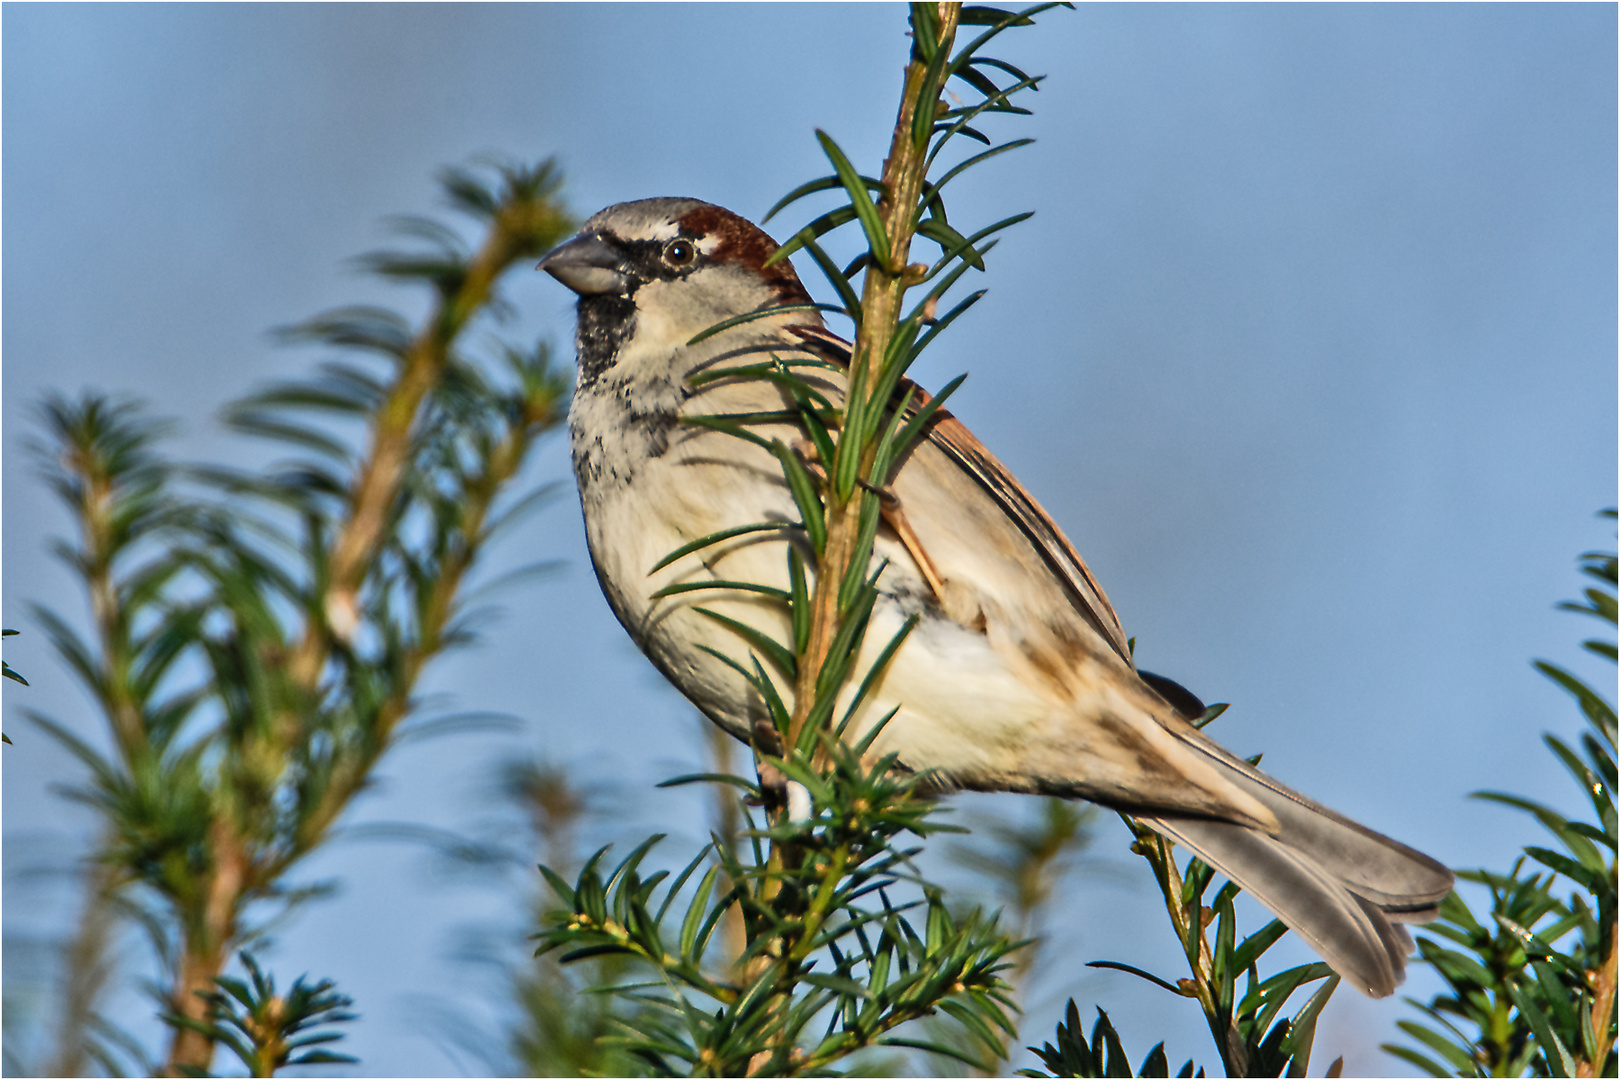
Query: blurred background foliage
259, 635
1530, 981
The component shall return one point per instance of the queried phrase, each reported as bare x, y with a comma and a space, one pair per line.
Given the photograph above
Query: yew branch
884, 288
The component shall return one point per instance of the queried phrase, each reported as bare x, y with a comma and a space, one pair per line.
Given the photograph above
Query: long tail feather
1341, 886
1352, 935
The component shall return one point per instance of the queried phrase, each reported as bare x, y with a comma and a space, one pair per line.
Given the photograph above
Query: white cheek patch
682, 308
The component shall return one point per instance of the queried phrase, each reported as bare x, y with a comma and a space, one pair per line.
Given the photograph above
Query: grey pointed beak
588, 265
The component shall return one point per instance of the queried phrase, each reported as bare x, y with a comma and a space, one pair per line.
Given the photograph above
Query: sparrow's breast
650, 484
1002, 684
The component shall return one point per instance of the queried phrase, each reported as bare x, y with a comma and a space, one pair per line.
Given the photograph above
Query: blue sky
1310, 347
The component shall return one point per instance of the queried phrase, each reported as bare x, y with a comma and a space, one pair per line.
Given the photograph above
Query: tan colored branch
96, 509
380, 476
1602, 980
884, 289
89, 965
904, 172
1188, 923
207, 945
211, 937
503, 464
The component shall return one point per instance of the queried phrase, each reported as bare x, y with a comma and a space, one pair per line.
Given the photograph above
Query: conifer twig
904, 172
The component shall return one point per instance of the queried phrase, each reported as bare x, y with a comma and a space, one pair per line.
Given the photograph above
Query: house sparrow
1017, 677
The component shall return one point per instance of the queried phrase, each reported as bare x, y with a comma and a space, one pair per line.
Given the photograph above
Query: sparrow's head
668, 269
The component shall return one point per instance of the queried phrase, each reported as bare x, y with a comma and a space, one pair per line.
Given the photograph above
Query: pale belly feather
1002, 685
963, 710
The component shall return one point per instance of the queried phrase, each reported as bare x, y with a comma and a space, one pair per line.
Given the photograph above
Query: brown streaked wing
970, 455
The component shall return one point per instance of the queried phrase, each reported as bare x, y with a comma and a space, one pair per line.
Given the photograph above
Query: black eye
680, 252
